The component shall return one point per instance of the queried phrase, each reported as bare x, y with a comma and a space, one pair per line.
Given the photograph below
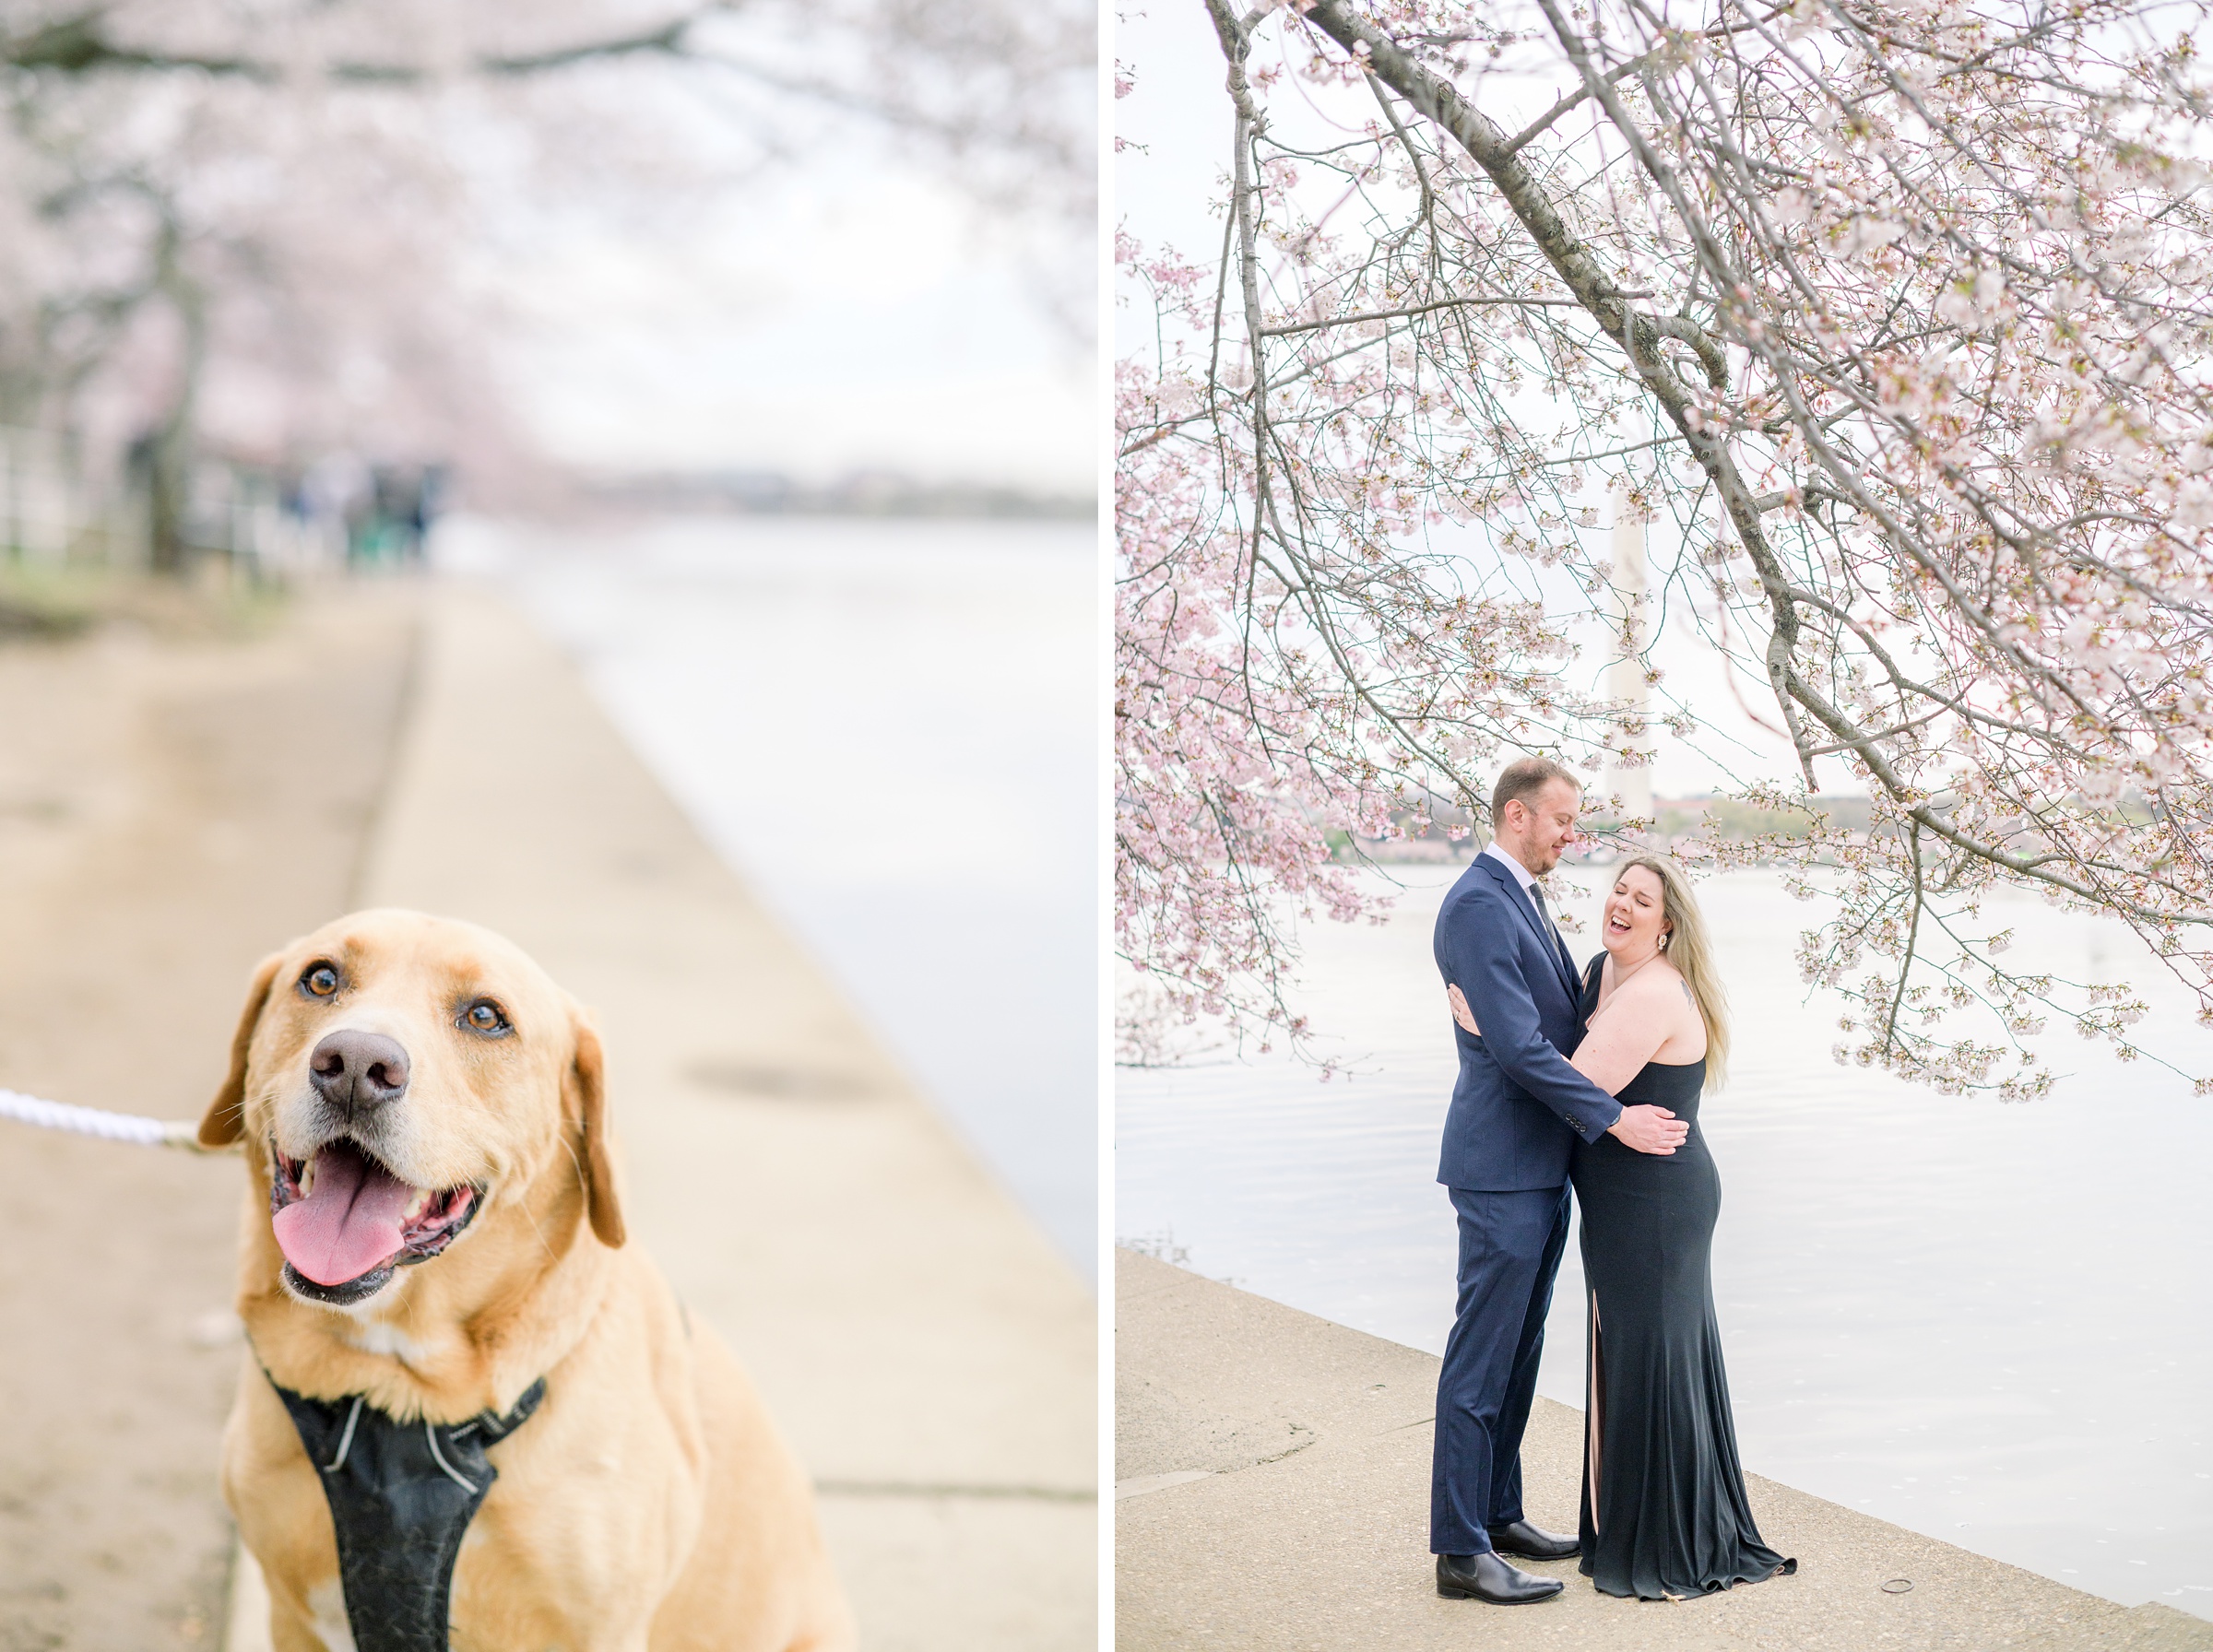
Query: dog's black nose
359, 1070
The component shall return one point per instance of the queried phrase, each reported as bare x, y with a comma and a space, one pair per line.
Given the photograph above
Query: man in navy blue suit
1517, 1110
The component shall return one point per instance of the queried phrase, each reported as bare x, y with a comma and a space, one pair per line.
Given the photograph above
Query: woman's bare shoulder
1659, 988
1657, 979
1645, 1003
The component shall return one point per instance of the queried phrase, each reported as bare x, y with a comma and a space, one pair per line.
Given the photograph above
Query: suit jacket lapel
1547, 936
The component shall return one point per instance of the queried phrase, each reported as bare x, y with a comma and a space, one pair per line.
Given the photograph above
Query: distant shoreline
861, 494
1684, 822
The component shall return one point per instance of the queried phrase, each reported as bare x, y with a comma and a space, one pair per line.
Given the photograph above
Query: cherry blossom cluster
1898, 309
275, 227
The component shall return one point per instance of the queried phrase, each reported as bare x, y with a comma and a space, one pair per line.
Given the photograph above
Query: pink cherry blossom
1900, 312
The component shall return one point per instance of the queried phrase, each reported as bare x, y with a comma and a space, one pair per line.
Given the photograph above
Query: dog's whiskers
543, 1242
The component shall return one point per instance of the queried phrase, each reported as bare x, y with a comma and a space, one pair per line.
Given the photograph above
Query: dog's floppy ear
226, 1117
588, 1075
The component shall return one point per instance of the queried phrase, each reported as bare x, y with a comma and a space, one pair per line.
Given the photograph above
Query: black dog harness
402, 1495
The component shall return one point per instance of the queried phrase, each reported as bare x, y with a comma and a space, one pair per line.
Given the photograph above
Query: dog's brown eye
485, 1017
320, 980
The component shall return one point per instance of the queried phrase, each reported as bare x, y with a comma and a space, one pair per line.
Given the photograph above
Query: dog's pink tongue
348, 1224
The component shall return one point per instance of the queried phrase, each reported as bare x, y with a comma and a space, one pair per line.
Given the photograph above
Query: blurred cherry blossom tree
259, 222
1898, 309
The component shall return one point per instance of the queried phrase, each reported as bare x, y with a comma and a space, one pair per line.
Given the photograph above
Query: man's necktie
1559, 944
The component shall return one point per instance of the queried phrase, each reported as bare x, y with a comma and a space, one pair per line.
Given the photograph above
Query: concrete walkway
931, 1355
1273, 1482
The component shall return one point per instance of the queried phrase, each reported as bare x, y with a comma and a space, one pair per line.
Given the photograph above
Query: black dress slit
1594, 1415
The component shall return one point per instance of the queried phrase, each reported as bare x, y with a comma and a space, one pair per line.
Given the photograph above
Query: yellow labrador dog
434, 1284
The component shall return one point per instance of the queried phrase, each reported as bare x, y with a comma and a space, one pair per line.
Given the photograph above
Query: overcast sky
860, 315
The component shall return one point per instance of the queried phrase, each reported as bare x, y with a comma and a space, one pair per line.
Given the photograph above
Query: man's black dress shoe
1525, 1541
1486, 1578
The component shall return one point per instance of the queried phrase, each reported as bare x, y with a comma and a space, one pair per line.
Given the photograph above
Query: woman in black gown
1664, 1513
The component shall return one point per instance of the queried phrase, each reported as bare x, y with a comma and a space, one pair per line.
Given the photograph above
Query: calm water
1992, 1324
888, 729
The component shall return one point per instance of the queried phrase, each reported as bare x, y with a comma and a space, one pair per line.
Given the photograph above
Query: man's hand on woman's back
1648, 1129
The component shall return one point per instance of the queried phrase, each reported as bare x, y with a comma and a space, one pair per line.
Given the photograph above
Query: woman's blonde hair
1690, 951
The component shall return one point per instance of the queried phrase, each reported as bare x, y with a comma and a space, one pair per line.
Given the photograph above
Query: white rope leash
109, 1126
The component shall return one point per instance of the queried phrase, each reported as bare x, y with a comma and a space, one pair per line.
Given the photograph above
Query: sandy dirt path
169, 811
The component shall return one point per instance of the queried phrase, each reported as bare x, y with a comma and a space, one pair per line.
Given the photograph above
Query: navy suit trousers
1509, 1251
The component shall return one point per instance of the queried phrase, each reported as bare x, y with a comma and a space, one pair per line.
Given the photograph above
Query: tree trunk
169, 447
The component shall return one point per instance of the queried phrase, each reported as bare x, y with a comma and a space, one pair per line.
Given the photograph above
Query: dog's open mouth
344, 1221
